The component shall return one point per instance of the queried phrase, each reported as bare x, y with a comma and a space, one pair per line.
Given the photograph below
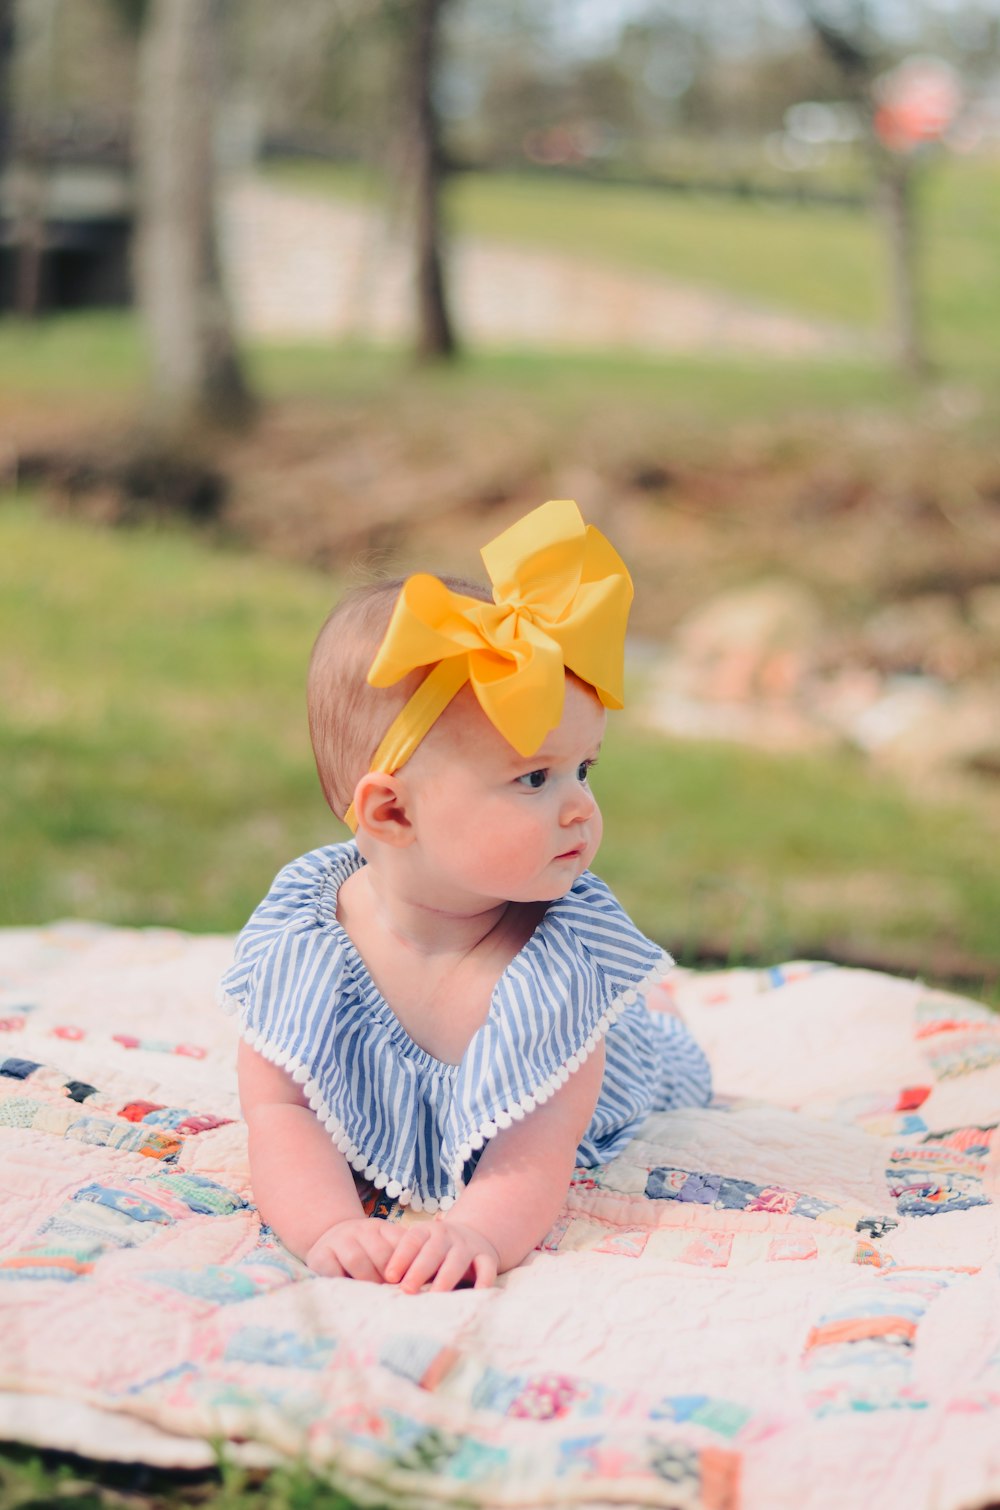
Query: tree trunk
6, 80
435, 338
895, 202
195, 372
851, 52
29, 30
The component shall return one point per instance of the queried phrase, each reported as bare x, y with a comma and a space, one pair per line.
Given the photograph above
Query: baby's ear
380, 808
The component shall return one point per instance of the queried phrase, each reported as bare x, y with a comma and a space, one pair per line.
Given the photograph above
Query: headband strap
561, 597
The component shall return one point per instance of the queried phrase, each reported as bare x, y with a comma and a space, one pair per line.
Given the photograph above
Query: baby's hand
358, 1248
444, 1253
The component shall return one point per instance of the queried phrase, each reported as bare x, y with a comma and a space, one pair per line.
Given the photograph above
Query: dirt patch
861, 523
863, 516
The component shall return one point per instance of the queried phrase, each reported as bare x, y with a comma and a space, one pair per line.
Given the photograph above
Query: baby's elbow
581, 1093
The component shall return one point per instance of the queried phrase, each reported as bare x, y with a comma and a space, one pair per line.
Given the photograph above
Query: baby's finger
325, 1263
453, 1270
406, 1249
379, 1251
484, 1267
358, 1264
425, 1265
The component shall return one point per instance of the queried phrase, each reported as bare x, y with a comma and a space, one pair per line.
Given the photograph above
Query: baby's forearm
522, 1179
514, 1203
301, 1184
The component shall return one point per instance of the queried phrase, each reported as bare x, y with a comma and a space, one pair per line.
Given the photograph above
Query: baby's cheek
596, 828
514, 851
517, 847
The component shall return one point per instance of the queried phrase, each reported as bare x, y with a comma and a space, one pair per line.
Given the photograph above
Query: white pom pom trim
552, 1083
479, 1136
229, 1003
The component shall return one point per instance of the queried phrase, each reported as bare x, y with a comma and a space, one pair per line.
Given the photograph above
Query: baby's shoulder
306, 889
292, 936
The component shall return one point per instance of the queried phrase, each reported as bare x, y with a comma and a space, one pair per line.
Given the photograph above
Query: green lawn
152, 727
157, 771
95, 360
96, 353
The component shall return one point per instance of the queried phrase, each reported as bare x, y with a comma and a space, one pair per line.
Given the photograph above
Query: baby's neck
421, 928
436, 968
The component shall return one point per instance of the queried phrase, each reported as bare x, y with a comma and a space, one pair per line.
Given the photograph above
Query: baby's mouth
572, 854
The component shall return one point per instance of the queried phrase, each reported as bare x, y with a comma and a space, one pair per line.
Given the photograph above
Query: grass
153, 723
778, 856
96, 352
153, 733
33, 1480
94, 361
706, 392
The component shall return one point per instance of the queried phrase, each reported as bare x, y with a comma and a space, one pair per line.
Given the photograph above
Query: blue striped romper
410, 1123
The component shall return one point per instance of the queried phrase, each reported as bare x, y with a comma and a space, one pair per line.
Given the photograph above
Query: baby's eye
533, 779
584, 769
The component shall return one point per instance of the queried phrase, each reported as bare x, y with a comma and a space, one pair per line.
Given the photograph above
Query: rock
736, 667
925, 634
764, 726
842, 697
903, 706
984, 616
752, 642
939, 730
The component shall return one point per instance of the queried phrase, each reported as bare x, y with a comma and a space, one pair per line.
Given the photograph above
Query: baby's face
493, 826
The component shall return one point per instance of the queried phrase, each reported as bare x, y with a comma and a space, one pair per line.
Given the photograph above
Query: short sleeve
288, 960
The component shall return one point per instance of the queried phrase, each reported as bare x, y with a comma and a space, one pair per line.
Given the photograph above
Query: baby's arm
303, 1186
513, 1198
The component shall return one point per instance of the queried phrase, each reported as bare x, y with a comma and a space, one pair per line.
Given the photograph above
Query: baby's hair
347, 717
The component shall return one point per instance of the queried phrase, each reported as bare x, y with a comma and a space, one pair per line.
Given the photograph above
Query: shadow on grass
34, 1478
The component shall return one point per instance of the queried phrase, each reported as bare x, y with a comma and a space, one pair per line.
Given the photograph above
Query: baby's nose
579, 805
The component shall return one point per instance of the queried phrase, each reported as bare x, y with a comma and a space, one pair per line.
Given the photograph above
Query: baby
452, 1006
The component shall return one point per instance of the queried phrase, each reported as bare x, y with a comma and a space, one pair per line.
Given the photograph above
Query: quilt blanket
791, 1298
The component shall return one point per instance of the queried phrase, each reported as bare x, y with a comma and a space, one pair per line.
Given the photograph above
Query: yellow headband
561, 599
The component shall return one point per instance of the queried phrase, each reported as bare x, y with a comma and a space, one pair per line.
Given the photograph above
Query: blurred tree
419, 168
30, 67
314, 75
195, 371
854, 46
423, 168
6, 77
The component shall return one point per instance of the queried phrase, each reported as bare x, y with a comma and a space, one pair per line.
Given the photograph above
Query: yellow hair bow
561, 601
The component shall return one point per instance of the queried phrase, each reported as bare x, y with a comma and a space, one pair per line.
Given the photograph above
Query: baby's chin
557, 885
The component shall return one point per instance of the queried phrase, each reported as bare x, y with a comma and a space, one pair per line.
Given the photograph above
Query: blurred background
292, 295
